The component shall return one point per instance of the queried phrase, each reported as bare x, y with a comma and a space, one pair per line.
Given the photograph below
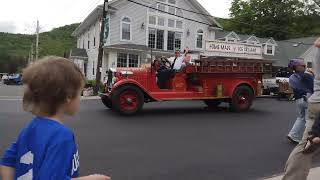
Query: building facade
140, 30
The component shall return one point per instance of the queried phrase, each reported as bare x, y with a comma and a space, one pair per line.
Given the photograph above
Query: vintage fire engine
213, 80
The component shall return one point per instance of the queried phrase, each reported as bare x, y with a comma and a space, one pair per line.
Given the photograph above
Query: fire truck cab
212, 80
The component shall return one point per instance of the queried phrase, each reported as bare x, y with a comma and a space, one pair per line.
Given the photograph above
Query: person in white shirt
180, 61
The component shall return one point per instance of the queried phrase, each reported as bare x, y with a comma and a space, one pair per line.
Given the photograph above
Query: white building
135, 32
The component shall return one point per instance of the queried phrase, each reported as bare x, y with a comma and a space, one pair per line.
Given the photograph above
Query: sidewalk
313, 175
18, 98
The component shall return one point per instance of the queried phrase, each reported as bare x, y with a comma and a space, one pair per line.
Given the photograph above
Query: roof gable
272, 42
253, 38
202, 10
94, 16
233, 35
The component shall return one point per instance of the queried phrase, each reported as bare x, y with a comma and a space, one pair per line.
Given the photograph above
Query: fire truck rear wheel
128, 100
241, 99
107, 102
212, 103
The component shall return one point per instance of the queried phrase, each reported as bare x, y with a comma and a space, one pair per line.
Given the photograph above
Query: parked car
13, 79
3, 76
271, 84
212, 81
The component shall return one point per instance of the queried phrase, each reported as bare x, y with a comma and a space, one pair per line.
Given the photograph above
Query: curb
10, 98
16, 98
266, 96
271, 177
90, 98
314, 174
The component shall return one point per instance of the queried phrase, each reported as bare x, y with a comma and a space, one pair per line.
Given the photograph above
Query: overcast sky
19, 16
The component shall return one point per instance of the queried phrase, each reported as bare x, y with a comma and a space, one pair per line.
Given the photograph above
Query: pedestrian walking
299, 162
302, 84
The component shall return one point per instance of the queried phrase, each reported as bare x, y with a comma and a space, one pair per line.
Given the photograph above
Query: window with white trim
179, 12
174, 40
171, 23
94, 36
199, 43
269, 49
93, 67
153, 7
178, 40
133, 60
160, 21
156, 38
170, 41
153, 20
122, 60
172, 10
152, 38
160, 39
127, 60
161, 8
126, 29
179, 24
88, 40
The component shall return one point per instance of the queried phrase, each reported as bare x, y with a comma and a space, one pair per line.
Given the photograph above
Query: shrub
92, 83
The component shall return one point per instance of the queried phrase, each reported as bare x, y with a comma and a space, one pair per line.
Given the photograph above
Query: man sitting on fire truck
177, 64
180, 61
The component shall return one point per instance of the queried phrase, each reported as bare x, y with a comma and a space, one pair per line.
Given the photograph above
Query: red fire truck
211, 79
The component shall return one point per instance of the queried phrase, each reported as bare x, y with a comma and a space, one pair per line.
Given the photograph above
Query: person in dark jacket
302, 84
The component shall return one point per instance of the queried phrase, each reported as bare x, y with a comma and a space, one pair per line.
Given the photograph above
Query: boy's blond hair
48, 83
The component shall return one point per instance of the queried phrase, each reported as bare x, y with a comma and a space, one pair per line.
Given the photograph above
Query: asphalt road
9, 92
173, 140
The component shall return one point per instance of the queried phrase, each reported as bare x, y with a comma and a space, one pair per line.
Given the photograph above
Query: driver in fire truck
169, 67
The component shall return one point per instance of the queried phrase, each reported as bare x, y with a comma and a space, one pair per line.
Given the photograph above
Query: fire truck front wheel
242, 99
128, 100
107, 102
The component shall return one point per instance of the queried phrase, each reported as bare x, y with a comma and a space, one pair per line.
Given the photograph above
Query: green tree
15, 48
281, 19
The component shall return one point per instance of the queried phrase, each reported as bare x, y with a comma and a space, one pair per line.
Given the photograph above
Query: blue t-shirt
45, 149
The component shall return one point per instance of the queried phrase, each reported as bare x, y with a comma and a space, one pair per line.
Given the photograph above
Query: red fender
132, 82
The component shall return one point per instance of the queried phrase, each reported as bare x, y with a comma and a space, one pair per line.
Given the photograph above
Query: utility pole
31, 57
37, 40
101, 44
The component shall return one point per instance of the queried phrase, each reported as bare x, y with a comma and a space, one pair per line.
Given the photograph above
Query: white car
4, 77
270, 84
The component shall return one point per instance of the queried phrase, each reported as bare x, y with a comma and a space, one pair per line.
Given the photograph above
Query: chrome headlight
126, 73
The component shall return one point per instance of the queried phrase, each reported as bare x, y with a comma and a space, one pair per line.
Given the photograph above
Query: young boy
45, 148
